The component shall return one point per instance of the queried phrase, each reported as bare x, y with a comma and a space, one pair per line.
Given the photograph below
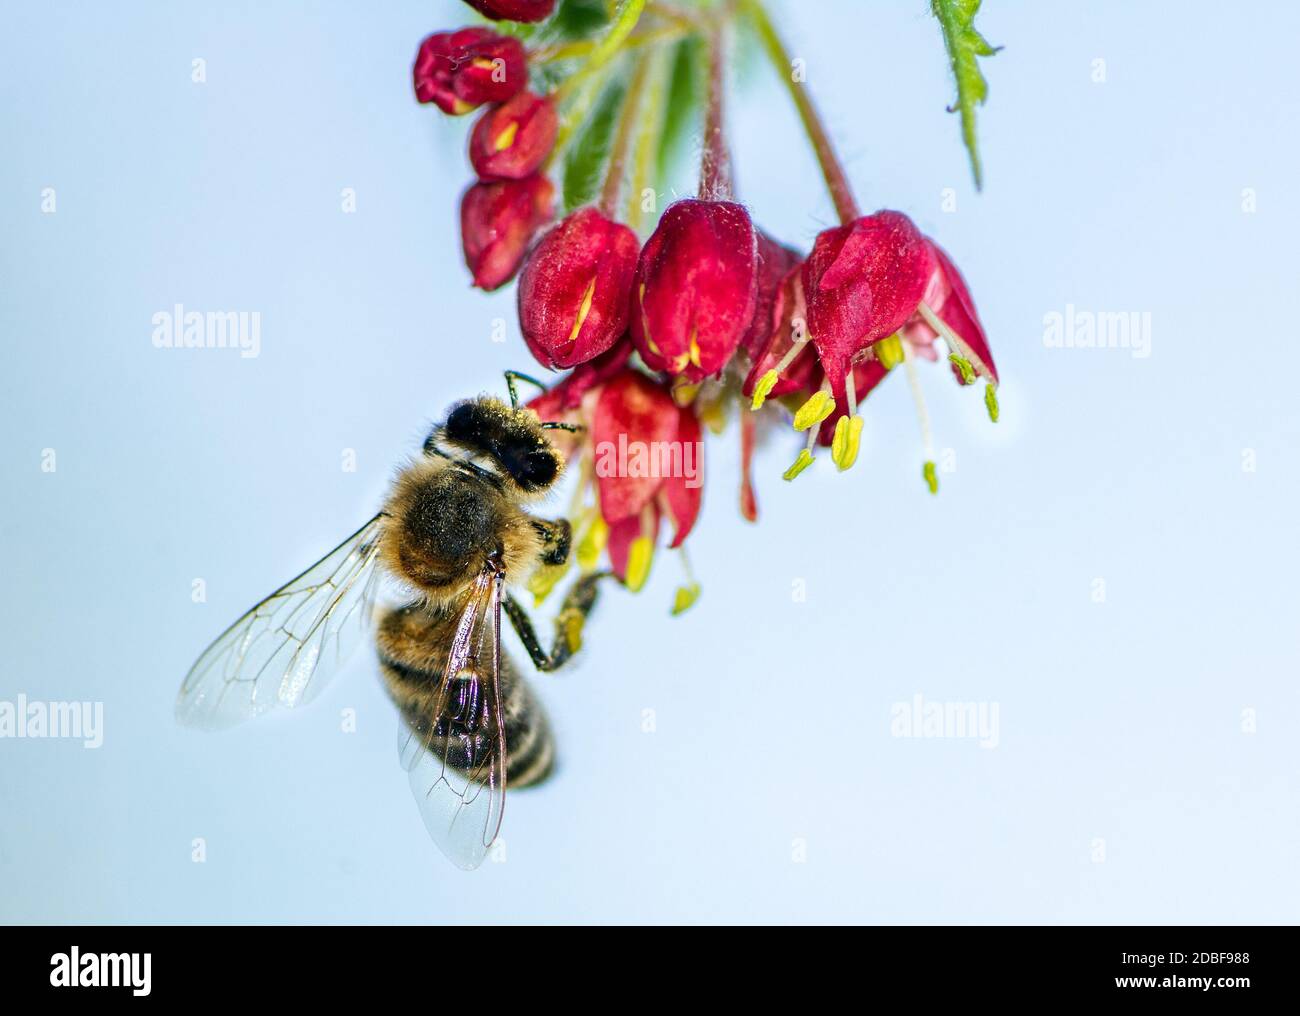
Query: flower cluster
660, 337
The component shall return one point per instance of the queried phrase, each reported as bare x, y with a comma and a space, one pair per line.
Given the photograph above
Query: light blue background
1119, 721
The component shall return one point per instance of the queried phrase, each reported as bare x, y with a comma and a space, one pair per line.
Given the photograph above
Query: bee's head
495, 437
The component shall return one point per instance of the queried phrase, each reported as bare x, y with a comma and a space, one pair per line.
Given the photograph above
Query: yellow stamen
819, 406
592, 543
685, 598
991, 401
507, 137
847, 440
800, 464
963, 365
694, 347
931, 477
764, 388
889, 351
684, 392
639, 556
583, 310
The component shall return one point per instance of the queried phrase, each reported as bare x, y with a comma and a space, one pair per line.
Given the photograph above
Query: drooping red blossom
862, 283
511, 141
647, 454
775, 260
575, 289
696, 287
459, 71
776, 329
514, 10
498, 220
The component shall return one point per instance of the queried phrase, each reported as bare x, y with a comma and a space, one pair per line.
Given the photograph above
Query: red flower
459, 71
511, 141
498, 221
513, 10
564, 397
696, 287
575, 288
648, 458
863, 282
779, 326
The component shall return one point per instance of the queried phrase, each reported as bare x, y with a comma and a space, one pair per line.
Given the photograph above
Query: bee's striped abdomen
412, 643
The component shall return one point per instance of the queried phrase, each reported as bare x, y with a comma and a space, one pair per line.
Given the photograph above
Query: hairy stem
629, 13
837, 182
651, 133
622, 146
715, 161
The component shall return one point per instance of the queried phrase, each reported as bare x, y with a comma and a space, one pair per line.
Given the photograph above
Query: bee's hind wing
284, 650
455, 753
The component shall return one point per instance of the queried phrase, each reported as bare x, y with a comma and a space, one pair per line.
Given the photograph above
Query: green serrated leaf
965, 45
685, 91
587, 154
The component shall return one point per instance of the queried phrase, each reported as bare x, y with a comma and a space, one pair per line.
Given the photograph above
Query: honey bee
452, 534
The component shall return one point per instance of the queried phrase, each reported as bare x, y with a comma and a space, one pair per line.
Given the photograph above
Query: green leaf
685, 93
965, 45
577, 19
587, 154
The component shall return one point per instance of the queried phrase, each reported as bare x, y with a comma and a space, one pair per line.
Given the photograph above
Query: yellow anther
639, 556
763, 389
694, 348
931, 477
889, 351
592, 543
991, 402
507, 137
544, 579
684, 392
685, 598
819, 406
800, 464
713, 414
963, 366
583, 310
847, 440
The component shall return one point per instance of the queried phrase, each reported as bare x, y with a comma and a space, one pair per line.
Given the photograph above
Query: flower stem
715, 161
651, 134
622, 146
836, 180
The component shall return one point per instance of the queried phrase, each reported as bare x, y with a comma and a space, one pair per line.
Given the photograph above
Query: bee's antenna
511, 377
572, 428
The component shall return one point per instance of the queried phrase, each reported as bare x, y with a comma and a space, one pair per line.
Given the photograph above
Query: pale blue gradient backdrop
1120, 721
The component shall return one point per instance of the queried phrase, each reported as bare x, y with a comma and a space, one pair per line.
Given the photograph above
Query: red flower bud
513, 10
863, 282
695, 289
575, 289
460, 71
497, 222
511, 141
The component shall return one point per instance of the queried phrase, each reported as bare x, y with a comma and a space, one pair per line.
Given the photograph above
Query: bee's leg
568, 623
557, 538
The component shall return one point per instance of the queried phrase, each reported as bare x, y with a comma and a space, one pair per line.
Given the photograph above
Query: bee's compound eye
463, 423
538, 469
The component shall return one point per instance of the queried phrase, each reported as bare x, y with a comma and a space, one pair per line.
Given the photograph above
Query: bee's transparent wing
455, 754
284, 650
